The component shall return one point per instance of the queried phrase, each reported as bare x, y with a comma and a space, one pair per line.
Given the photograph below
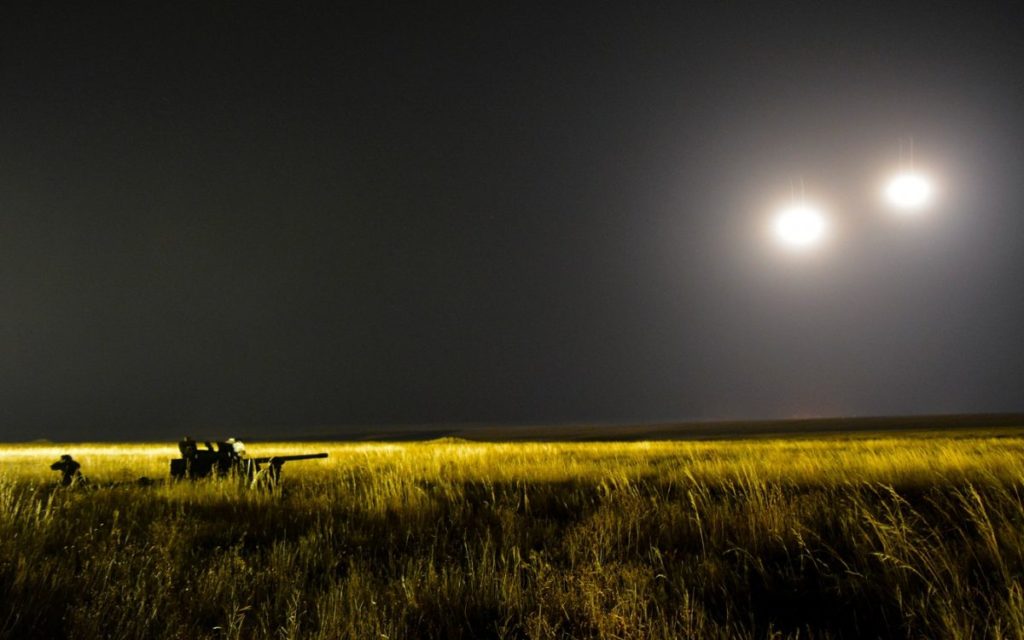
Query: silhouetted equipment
69, 470
228, 458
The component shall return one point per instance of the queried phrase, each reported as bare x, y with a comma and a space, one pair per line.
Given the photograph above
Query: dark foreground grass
892, 538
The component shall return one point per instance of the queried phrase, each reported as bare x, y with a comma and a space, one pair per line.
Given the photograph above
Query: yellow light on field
909, 191
800, 225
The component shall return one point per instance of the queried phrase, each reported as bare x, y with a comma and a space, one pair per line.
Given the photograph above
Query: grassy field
909, 536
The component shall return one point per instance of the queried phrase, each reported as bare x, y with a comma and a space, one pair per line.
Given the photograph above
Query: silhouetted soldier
187, 447
234, 448
69, 470
189, 452
230, 453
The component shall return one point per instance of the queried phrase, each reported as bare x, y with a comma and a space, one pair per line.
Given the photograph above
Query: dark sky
218, 217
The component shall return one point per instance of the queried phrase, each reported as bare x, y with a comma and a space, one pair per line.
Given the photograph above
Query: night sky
219, 218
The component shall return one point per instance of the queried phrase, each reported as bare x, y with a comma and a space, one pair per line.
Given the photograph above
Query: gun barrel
303, 456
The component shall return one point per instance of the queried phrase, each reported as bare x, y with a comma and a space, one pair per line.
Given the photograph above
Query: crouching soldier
69, 470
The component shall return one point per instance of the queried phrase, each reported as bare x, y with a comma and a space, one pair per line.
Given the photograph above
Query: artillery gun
228, 458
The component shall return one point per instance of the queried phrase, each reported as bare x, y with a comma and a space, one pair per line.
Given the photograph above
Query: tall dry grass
871, 537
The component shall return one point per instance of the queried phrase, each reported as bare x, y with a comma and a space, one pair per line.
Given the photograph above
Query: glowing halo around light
800, 225
908, 191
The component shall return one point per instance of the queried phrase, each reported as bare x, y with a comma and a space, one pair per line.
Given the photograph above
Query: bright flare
800, 225
908, 191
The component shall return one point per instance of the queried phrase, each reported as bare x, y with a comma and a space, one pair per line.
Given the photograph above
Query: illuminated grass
889, 536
